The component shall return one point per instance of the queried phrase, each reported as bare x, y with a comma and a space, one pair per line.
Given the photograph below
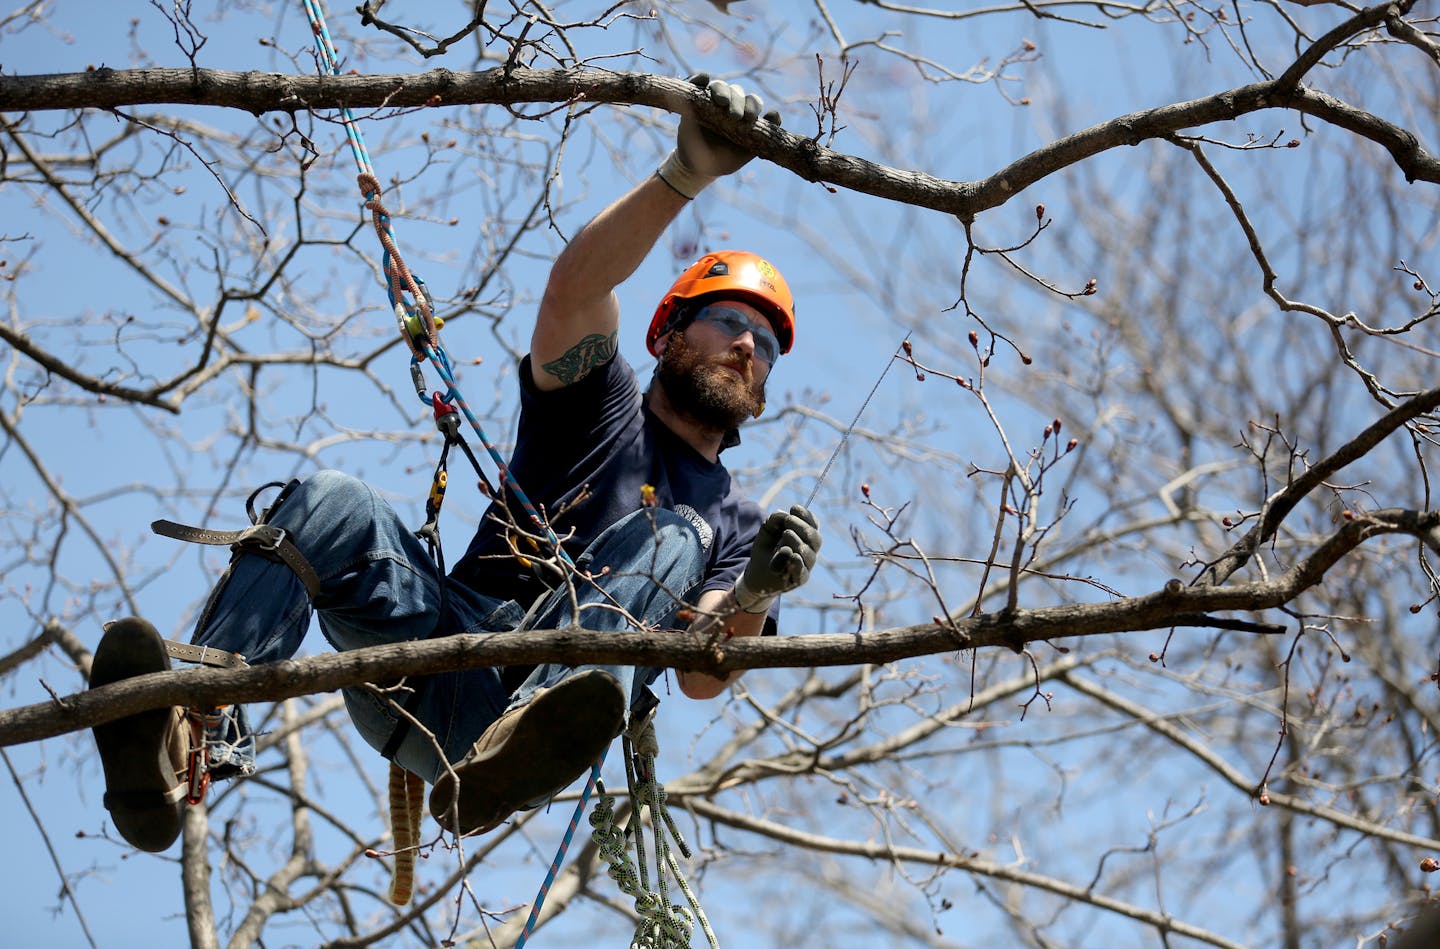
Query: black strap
430, 530
402, 724
264, 516
449, 425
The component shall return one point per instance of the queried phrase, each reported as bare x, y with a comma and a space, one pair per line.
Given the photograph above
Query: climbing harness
211, 729
259, 538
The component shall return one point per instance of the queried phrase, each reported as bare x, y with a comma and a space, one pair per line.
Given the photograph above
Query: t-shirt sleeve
609, 389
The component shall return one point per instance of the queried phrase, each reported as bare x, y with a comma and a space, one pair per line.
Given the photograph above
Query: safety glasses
733, 322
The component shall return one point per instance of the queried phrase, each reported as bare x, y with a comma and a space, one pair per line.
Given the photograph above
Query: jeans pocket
503, 619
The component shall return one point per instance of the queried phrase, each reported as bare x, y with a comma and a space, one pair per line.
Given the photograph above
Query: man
633, 483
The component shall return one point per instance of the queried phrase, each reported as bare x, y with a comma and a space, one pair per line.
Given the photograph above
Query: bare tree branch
1162, 923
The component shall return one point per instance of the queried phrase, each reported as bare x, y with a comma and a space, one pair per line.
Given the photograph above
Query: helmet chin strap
680, 318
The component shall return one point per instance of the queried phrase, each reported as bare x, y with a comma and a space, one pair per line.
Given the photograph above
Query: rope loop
369, 186
416, 319
650, 794
661, 924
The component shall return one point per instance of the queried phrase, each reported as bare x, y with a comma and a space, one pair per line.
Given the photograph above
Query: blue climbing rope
560, 853
415, 316
420, 329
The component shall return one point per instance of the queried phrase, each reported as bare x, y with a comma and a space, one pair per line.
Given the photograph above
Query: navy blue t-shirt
597, 437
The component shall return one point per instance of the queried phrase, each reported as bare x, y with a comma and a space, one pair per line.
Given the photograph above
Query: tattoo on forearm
594, 350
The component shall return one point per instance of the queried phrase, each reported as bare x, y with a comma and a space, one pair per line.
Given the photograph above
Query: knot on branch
809, 152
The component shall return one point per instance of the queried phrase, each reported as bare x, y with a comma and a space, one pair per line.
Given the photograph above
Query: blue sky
854, 308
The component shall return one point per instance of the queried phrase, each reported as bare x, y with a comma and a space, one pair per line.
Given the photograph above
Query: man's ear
662, 343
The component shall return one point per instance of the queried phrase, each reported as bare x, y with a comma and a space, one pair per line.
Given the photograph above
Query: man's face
712, 376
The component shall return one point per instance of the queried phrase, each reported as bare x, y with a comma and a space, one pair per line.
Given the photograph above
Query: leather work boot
145, 756
530, 753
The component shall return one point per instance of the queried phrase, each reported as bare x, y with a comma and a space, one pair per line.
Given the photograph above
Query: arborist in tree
632, 481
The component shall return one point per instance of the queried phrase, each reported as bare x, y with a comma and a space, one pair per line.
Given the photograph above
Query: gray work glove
700, 155
780, 561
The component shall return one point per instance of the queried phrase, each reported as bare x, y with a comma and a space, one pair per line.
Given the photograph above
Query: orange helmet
736, 275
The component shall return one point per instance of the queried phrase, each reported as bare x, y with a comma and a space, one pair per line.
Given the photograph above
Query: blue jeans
379, 585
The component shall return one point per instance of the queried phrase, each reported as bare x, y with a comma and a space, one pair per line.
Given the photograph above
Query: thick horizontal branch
1174, 606
259, 92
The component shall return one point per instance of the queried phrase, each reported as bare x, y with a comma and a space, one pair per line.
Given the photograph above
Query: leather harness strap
205, 655
263, 539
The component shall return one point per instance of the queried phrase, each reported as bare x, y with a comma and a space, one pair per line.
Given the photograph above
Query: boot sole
560, 734
133, 750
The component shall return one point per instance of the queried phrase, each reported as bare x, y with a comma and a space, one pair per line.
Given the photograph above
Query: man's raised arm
579, 316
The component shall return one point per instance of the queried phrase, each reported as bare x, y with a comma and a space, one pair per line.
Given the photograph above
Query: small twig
65, 889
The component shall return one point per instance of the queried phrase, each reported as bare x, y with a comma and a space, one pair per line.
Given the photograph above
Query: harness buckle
265, 537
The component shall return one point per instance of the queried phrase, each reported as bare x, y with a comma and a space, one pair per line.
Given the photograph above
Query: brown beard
703, 388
